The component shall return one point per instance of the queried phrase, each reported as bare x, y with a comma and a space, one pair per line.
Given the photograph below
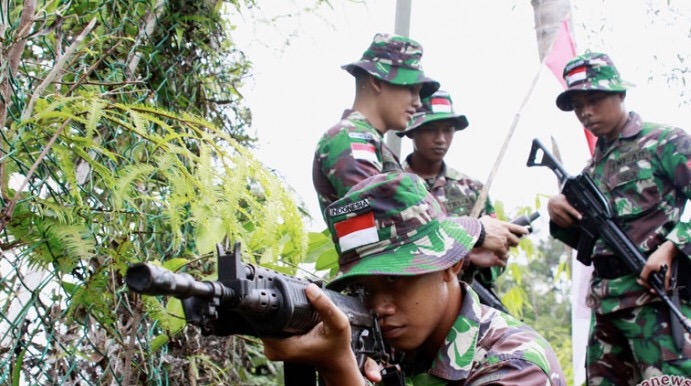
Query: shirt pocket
634, 190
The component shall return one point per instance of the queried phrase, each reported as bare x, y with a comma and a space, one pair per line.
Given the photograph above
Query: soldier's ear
452, 272
375, 83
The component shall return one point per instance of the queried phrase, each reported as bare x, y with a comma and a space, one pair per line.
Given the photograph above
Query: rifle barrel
149, 279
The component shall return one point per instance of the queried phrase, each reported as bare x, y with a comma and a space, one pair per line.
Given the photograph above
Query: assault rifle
485, 291
599, 221
254, 301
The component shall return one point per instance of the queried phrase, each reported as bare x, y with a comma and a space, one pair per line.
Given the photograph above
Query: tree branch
56, 69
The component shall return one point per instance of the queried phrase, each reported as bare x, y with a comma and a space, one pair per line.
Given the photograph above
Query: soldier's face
601, 113
415, 312
399, 104
432, 140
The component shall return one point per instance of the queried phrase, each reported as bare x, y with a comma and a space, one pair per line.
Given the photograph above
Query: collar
632, 127
358, 119
455, 359
431, 182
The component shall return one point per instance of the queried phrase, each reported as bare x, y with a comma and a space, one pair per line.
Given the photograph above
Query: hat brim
461, 122
434, 250
398, 75
563, 100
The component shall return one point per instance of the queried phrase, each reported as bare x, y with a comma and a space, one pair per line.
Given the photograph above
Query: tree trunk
548, 16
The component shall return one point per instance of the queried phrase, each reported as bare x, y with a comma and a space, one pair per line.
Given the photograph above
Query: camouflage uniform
353, 149
389, 224
347, 153
645, 175
456, 191
476, 352
646, 178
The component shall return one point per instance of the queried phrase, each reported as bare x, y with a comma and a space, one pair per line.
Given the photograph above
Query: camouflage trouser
632, 345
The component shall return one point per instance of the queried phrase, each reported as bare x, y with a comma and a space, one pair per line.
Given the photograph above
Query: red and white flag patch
356, 231
576, 75
364, 151
440, 105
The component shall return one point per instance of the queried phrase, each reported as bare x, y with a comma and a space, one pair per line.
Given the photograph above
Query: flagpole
402, 28
480, 203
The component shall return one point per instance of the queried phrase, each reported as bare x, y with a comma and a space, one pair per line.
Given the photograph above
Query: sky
484, 53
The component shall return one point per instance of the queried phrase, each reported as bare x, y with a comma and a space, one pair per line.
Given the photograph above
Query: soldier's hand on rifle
561, 212
663, 256
501, 235
326, 346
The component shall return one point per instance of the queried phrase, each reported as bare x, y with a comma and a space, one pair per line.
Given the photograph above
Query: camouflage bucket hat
395, 59
389, 224
592, 71
436, 107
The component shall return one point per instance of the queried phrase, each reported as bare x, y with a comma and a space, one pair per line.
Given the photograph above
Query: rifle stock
599, 222
255, 301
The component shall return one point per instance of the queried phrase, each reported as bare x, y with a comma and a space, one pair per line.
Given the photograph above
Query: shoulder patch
363, 136
364, 151
356, 206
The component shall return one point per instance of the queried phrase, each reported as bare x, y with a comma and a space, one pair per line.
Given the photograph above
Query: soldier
432, 130
389, 82
395, 242
643, 170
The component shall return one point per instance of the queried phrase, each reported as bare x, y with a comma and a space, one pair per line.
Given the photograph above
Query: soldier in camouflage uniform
389, 83
643, 170
432, 130
396, 243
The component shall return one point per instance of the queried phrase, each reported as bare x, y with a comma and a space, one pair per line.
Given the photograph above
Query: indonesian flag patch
364, 151
356, 231
440, 105
578, 74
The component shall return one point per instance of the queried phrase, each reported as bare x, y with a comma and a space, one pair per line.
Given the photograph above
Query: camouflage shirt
456, 191
486, 346
346, 154
645, 175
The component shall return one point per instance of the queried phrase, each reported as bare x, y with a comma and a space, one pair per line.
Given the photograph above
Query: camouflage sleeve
512, 371
489, 208
489, 275
674, 152
476, 187
348, 158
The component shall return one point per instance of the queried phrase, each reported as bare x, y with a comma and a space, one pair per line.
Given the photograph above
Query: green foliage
123, 139
535, 288
323, 252
189, 187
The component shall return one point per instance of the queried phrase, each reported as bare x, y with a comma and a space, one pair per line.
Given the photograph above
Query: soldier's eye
392, 279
